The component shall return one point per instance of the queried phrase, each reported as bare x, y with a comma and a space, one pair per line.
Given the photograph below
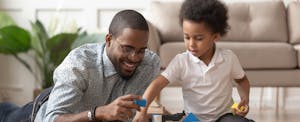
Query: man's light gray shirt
80, 85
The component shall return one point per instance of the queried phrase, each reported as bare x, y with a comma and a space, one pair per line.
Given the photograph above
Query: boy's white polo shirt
207, 90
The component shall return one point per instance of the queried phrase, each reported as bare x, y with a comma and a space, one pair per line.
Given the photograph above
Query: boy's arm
151, 92
243, 90
154, 89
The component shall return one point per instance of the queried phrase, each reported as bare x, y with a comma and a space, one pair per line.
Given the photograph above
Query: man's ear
108, 39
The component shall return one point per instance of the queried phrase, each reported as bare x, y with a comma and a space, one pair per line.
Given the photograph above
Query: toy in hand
235, 107
141, 103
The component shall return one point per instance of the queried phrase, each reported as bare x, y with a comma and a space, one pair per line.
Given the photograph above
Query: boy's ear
217, 37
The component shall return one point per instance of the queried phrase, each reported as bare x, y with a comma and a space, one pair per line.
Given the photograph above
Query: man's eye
128, 49
142, 51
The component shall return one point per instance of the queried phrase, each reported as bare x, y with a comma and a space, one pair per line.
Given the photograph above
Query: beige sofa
264, 35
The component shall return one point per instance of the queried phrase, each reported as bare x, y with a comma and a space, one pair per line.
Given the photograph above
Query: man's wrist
91, 114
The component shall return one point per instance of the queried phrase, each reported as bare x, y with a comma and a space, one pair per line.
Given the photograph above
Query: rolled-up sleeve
68, 89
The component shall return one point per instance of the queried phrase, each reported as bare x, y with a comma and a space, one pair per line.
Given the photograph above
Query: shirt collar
109, 68
217, 57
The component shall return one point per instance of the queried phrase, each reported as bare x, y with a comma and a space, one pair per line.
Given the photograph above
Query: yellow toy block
235, 106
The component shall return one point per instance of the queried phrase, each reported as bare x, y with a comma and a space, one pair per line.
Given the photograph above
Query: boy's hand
242, 109
141, 117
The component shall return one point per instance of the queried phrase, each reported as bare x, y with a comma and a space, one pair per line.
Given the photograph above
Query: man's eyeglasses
127, 50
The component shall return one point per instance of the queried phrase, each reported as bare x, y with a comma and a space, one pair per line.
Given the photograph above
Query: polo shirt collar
217, 57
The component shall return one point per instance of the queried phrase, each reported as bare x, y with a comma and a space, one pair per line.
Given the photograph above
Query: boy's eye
198, 38
186, 38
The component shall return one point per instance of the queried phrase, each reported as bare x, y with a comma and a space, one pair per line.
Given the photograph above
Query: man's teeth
129, 65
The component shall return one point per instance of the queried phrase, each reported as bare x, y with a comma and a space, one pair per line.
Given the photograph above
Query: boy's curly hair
212, 12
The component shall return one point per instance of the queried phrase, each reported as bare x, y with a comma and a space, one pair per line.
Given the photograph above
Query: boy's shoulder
224, 51
183, 55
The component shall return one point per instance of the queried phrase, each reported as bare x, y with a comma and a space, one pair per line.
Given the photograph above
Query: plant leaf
59, 46
42, 30
39, 38
14, 39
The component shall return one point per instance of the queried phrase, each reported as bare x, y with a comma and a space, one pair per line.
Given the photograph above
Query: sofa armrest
297, 47
154, 41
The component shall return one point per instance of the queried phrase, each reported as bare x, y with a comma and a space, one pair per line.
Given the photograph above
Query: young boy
205, 71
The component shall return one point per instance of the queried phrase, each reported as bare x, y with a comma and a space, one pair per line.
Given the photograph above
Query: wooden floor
263, 106
288, 105
271, 115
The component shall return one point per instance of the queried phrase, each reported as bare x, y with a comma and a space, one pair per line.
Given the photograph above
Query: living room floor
263, 109
270, 115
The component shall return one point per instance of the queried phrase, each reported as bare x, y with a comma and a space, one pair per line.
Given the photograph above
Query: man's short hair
127, 19
212, 12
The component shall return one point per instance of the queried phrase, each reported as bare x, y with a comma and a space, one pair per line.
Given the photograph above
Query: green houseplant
49, 51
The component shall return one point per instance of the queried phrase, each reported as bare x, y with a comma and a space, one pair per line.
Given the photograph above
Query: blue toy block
191, 118
141, 103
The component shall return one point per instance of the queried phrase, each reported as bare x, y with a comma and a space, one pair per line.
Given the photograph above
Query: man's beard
125, 77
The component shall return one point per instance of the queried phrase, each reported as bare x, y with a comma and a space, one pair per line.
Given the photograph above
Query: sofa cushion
293, 19
249, 21
154, 40
274, 78
257, 22
263, 55
168, 51
254, 55
165, 17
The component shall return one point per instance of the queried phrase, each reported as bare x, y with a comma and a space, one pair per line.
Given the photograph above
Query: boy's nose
192, 43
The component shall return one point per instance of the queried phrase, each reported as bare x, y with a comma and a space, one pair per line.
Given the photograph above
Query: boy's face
199, 39
126, 51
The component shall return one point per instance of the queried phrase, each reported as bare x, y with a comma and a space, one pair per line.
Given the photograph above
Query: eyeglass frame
128, 50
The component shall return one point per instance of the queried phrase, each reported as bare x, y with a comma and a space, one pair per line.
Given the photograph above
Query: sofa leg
277, 100
284, 97
261, 98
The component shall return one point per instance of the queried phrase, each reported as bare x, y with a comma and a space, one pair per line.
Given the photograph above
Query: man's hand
119, 109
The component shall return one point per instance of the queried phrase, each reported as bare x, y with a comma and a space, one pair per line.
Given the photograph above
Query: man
98, 82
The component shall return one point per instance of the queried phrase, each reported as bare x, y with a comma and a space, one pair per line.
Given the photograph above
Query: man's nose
135, 57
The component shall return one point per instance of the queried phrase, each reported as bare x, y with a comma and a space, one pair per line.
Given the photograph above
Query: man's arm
80, 117
120, 109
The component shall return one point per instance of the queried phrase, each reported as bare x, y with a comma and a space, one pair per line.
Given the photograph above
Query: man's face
126, 51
